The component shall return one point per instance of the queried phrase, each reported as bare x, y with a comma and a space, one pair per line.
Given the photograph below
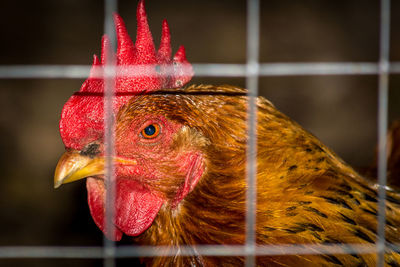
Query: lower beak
73, 166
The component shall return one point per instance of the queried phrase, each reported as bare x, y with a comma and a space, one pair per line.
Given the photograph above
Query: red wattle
136, 207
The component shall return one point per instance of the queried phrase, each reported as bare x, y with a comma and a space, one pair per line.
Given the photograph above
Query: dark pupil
150, 130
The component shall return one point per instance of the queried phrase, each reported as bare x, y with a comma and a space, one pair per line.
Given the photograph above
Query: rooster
180, 166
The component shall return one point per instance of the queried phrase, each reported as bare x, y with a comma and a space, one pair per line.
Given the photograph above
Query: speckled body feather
306, 194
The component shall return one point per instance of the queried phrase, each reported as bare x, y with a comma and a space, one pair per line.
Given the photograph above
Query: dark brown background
340, 110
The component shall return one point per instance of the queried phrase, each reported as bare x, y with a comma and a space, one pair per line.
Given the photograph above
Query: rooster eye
151, 131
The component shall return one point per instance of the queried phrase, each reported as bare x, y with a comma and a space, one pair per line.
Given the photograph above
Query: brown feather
306, 193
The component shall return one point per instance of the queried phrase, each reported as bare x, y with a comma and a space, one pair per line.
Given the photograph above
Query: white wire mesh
109, 137
382, 126
253, 32
252, 70
209, 70
110, 7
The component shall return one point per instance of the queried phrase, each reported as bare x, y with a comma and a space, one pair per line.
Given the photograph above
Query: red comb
146, 70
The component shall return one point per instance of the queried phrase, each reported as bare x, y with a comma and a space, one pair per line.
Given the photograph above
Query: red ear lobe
194, 163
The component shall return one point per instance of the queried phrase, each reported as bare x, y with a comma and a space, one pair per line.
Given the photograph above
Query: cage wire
252, 70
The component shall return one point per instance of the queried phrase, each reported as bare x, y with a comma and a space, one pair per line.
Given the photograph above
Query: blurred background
340, 110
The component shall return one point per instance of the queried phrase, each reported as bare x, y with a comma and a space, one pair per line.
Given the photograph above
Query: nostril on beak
91, 150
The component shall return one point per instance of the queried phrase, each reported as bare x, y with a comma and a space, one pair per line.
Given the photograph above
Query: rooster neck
202, 218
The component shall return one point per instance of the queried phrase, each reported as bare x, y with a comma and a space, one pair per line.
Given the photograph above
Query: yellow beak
72, 166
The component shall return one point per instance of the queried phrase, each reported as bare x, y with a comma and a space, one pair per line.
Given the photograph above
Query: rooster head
146, 150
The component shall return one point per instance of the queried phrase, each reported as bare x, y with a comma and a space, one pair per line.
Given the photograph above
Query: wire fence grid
252, 70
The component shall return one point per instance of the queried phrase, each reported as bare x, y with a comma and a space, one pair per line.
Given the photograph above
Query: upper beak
73, 166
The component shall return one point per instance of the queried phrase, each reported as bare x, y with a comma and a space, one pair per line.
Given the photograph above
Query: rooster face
153, 169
